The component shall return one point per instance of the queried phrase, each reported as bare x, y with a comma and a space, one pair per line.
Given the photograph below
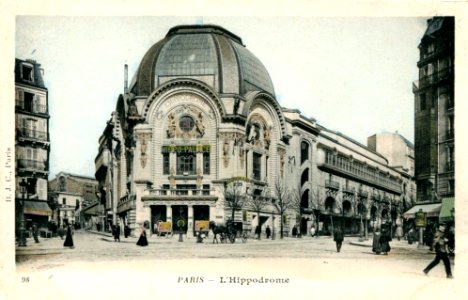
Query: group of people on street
381, 241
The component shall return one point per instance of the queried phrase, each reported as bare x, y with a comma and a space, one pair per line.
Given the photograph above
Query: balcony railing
32, 133
348, 190
332, 184
31, 164
368, 175
126, 198
434, 78
181, 192
33, 108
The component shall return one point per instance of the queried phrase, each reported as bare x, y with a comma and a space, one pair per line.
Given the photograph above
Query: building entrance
158, 214
201, 218
179, 218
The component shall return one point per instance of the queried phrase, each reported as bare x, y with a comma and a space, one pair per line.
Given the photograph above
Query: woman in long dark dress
385, 238
142, 241
376, 247
69, 239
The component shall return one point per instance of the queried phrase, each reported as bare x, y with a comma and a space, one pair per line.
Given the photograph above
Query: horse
224, 232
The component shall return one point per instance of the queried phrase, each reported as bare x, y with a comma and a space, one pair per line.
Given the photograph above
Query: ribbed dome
208, 53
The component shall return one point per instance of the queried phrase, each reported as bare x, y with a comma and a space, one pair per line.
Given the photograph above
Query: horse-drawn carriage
228, 232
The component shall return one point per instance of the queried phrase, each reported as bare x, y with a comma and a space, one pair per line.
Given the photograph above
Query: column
190, 221
168, 213
212, 213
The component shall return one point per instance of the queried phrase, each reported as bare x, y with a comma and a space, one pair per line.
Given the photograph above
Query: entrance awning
38, 208
447, 210
92, 209
432, 210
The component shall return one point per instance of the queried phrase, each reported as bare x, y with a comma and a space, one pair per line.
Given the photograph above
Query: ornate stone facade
203, 129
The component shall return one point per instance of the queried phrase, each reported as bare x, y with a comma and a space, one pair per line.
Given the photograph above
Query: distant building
395, 148
200, 120
70, 196
434, 105
32, 143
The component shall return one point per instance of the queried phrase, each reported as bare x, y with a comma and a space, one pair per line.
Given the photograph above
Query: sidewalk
356, 241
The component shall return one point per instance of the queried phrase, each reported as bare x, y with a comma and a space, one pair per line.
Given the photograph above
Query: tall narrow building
32, 144
434, 112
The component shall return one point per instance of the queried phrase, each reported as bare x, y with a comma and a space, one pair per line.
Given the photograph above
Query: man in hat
440, 245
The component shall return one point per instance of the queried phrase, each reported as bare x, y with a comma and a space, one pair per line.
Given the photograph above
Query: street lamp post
272, 225
272, 215
22, 237
180, 224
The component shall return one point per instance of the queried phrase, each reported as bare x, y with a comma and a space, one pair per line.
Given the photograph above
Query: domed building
199, 136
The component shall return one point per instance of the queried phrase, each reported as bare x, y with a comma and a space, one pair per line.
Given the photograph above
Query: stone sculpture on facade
199, 125
171, 127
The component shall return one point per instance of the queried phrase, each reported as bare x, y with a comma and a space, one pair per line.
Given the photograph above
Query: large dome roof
208, 53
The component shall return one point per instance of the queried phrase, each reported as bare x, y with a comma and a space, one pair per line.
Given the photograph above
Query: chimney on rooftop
126, 79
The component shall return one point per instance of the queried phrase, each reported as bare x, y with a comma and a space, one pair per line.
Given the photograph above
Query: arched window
373, 213
329, 204
346, 208
304, 151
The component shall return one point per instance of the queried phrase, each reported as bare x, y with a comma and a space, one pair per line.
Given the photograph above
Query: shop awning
38, 208
447, 209
92, 210
432, 210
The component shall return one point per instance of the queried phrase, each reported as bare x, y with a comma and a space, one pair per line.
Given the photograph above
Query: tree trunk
281, 225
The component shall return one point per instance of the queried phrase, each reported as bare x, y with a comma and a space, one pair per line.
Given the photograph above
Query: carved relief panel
144, 139
185, 122
258, 132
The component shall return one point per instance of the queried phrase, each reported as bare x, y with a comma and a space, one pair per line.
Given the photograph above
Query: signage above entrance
186, 148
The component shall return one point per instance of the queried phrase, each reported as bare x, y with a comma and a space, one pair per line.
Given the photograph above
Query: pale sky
353, 75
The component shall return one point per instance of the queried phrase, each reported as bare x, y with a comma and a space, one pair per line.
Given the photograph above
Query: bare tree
281, 201
317, 203
257, 203
296, 201
235, 194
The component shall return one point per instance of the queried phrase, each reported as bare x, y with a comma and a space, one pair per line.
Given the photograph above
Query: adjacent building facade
400, 155
200, 123
32, 143
69, 197
434, 104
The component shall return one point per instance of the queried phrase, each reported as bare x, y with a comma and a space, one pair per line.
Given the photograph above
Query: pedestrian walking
126, 231
142, 241
384, 240
440, 245
338, 238
258, 231
116, 232
268, 231
376, 247
294, 231
69, 239
35, 232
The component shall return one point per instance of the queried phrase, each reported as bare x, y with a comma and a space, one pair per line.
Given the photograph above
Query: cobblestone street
100, 263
